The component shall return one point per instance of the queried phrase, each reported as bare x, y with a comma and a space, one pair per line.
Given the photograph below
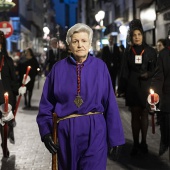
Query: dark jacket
112, 60
8, 81
22, 67
51, 59
161, 80
135, 79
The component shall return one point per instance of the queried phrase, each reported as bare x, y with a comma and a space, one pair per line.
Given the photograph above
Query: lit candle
6, 102
152, 96
27, 72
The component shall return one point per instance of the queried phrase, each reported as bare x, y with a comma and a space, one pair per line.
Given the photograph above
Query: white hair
80, 27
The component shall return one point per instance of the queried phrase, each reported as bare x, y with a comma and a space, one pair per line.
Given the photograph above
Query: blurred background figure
161, 85
161, 44
111, 56
122, 50
28, 60
52, 55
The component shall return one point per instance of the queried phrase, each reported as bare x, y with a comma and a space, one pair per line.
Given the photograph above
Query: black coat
161, 80
135, 79
8, 81
22, 67
52, 58
112, 60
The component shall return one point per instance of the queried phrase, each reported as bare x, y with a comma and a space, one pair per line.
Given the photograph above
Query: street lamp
46, 31
99, 18
6, 5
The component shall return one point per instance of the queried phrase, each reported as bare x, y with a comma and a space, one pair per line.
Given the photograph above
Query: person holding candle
79, 90
9, 84
161, 85
29, 60
138, 67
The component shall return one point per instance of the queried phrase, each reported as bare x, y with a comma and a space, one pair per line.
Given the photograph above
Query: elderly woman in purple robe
79, 90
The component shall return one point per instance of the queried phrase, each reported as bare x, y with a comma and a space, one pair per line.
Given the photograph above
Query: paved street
29, 153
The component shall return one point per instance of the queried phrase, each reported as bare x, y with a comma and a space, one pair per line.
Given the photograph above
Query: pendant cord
79, 68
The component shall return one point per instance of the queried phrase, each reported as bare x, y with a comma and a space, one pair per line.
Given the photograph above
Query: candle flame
151, 91
6, 94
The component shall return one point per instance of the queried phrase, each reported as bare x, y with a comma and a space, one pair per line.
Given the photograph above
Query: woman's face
80, 45
159, 46
137, 37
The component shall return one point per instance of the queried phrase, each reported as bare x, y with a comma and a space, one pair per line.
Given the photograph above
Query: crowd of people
81, 90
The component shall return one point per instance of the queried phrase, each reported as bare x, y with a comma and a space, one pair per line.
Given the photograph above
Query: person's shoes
144, 148
27, 108
135, 150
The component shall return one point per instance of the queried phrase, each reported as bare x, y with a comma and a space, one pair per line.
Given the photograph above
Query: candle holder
153, 100
3, 111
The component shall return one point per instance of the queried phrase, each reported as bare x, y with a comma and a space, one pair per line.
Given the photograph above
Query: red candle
152, 96
27, 72
6, 102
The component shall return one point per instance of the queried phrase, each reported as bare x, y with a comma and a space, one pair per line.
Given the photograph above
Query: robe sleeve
46, 107
115, 134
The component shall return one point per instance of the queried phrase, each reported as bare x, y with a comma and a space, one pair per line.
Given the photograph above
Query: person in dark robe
161, 85
28, 60
9, 85
79, 90
139, 62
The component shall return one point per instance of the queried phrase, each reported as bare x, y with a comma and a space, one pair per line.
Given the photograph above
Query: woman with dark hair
29, 60
137, 70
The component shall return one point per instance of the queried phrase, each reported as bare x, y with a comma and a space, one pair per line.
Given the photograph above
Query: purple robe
83, 140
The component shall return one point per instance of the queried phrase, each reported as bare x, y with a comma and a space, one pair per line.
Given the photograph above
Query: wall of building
162, 25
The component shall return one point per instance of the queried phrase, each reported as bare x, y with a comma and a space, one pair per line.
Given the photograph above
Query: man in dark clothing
111, 56
161, 85
52, 55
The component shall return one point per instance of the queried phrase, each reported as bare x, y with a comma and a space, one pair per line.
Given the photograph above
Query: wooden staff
19, 98
54, 156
